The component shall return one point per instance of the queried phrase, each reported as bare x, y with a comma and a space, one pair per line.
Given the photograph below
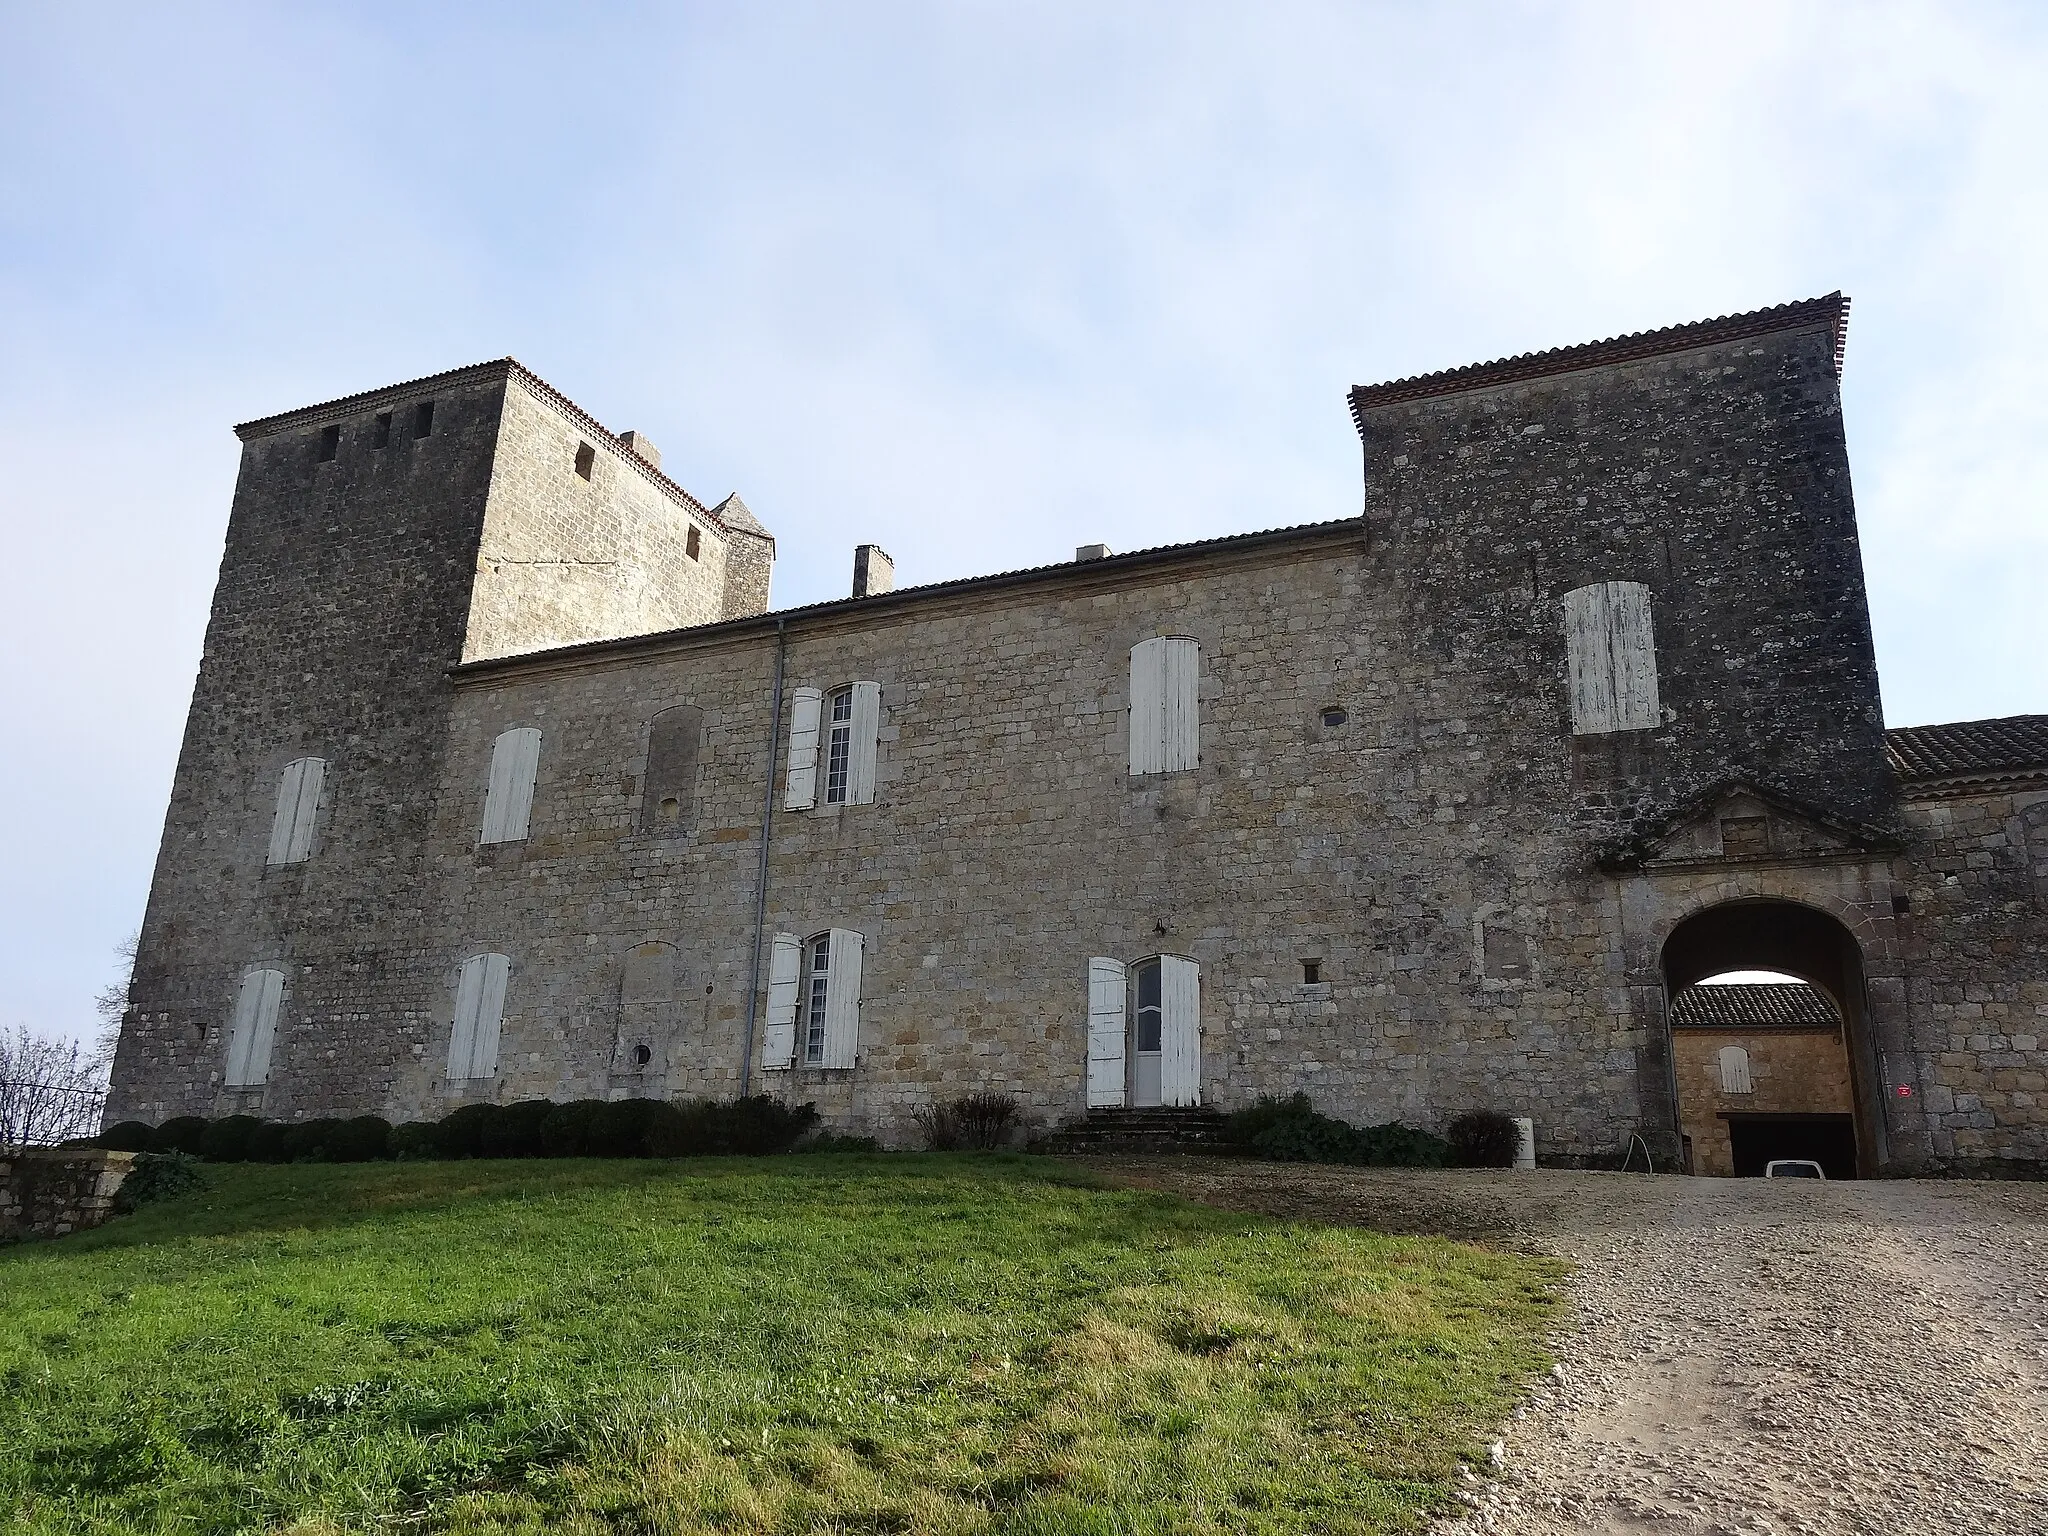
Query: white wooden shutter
842, 999
800, 791
483, 1050
1148, 706
1180, 1030
1180, 705
469, 998
867, 725
255, 1027
1634, 646
1611, 646
1591, 660
298, 808
785, 966
1107, 989
1735, 1070
508, 803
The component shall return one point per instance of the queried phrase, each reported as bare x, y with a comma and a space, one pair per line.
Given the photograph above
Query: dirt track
1747, 1357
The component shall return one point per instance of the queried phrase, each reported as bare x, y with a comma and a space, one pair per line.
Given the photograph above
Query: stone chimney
636, 443
1092, 552
873, 571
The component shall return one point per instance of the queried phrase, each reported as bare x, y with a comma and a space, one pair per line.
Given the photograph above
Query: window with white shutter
866, 699
785, 967
479, 1006
1612, 652
1735, 1070
800, 783
1166, 674
508, 802
839, 746
255, 1027
298, 809
1180, 1032
842, 1000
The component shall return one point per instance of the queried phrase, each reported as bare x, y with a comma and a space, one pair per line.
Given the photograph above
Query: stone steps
1135, 1130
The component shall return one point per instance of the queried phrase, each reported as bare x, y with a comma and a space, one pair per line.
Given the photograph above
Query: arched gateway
1770, 1071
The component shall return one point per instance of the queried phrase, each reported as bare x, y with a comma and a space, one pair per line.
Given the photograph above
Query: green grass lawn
885, 1344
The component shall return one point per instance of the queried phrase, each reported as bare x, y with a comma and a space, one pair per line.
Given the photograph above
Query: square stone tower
375, 542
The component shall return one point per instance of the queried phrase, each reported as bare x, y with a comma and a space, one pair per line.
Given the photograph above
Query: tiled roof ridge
511, 366
1830, 309
2004, 745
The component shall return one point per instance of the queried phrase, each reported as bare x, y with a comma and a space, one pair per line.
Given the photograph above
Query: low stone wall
49, 1191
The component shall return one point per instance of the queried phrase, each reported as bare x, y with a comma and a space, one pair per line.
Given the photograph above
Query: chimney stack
636, 443
1092, 552
873, 571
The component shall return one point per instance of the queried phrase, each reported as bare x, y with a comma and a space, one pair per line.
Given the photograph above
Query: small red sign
1905, 1090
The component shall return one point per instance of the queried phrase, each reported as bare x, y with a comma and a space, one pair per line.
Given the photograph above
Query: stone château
503, 781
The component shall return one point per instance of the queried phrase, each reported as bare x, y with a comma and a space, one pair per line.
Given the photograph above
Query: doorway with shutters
1144, 1033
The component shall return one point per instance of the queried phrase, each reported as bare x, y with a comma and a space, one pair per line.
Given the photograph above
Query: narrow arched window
508, 798
669, 788
255, 1027
298, 810
1612, 652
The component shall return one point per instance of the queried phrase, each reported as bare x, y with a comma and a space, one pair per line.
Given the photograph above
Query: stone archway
1815, 1075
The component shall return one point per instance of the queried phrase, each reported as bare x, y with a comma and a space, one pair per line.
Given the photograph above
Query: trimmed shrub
268, 1143
976, 1123
182, 1134
461, 1133
1484, 1139
514, 1131
227, 1141
617, 1127
751, 1127
414, 1142
1291, 1130
361, 1140
828, 1141
566, 1130
157, 1176
126, 1136
306, 1141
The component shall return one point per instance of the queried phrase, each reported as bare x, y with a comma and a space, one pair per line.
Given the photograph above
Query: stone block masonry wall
1790, 1073
49, 1191
566, 559
1976, 975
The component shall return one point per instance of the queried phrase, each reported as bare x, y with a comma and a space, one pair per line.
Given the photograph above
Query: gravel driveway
1748, 1357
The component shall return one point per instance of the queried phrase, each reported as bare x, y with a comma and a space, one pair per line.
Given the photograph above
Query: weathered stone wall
1791, 1072
1976, 974
565, 559
343, 591
49, 1191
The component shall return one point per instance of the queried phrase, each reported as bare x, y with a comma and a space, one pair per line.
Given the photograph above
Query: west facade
501, 781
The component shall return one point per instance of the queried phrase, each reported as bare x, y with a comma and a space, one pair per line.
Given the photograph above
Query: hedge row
535, 1128
1291, 1130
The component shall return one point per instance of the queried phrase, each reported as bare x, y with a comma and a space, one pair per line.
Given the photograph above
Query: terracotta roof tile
1764, 1005
2013, 746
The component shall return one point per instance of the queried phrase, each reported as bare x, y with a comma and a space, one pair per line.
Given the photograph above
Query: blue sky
978, 282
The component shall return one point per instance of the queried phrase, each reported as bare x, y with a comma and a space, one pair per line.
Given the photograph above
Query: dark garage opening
1829, 1140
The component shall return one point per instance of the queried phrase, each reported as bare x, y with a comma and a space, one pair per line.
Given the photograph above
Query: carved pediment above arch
1740, 822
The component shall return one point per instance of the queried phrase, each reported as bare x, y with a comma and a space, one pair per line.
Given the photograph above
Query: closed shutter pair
479, 1007
298, 809
1166, 719
1180, 1031
842, 1000
508, 802
255, 1027
807, 725
1612, 652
